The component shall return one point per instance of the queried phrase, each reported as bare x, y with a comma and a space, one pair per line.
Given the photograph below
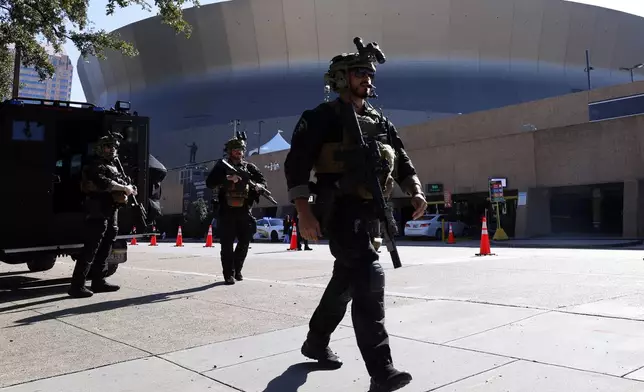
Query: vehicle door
76, 132
28, 177
262, 228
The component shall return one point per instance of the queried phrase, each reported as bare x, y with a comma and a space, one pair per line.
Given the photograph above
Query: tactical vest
328, 161
236, 193
88, 186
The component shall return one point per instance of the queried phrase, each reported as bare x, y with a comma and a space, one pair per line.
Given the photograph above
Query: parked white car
270, 228
431, 225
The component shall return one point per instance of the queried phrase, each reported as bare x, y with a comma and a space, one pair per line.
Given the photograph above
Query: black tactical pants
357, 275
235, 223
101, 228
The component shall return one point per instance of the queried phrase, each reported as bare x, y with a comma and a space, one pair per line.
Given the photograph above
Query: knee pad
376, 277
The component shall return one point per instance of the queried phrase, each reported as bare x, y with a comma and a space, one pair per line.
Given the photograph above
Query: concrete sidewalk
553, 320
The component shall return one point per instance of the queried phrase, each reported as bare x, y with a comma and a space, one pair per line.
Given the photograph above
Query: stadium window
616, 108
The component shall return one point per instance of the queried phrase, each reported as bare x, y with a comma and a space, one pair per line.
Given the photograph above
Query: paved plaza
546, 320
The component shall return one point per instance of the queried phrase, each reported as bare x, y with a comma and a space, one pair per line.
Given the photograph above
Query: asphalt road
523, 320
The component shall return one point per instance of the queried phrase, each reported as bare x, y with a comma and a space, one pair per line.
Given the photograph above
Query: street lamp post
259, 136
630, 69
588, 67
234, 123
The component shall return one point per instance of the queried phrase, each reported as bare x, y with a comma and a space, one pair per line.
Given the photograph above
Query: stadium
258, 64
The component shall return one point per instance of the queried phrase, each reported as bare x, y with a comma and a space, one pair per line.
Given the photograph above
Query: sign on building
496, 190
434, 189
447, 197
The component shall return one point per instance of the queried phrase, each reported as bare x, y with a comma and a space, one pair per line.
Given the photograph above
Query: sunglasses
363, 72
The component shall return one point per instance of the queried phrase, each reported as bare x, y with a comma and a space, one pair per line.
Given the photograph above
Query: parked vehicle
432, 225
270, 228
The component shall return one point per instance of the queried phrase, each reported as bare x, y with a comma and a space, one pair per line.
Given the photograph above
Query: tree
26, 24
197, 218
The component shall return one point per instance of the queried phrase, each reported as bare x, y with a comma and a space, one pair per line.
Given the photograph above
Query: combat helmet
112, 139
366, 57
238, 142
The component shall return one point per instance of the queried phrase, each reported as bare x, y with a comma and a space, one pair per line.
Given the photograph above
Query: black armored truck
43, 147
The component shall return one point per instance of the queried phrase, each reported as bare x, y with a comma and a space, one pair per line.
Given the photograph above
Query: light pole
259, 136
588, 68
630, 69
15, 91
234, 123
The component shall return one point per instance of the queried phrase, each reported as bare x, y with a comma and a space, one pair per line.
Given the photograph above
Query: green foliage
28, 23
197, 219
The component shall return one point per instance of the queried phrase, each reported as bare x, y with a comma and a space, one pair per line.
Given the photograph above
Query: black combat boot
101, 286
239, 276
325, 356
81, 291
389, 380
229, 280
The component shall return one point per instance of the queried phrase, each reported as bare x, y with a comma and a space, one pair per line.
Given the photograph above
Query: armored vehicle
43, 146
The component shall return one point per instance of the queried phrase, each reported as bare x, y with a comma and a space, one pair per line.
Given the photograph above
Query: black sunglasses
363, 72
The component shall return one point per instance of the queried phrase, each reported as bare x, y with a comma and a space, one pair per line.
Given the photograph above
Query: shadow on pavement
108, 305
293, 377
13, 273
18, 288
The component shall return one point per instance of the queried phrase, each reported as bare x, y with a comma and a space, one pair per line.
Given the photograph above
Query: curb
564, 245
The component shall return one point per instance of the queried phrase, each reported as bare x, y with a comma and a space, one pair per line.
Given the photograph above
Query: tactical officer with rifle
357, 155
107, 189
240, 185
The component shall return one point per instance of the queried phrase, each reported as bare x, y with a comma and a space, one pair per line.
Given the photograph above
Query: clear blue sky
132, 14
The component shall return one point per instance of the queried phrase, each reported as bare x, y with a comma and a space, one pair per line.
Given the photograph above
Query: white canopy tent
277, 143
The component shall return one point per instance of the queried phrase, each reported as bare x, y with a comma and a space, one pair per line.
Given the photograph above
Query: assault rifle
142, 215
366, 166
245, 176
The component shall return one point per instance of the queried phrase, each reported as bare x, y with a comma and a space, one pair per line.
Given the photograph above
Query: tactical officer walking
320, 142
236, 198
106, 191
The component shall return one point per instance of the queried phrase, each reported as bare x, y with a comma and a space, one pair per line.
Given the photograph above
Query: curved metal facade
264, 60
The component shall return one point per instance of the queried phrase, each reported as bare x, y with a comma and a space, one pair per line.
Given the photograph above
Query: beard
360, 91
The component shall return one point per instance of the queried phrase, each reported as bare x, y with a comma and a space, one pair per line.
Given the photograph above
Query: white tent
277, 143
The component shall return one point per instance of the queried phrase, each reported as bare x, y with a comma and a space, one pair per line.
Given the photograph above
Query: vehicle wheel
111, 269
439, 234
274, 236
42, 263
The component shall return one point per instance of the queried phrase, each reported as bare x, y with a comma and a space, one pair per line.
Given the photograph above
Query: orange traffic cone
485, 241
451, 239
209, 238
133, 242
293, 237
179, 238
153, 240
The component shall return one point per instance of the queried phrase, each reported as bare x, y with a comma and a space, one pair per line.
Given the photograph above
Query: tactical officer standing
106, 191
236, 198
319, 142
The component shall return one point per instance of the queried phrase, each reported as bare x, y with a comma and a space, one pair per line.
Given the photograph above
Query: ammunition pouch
237, 198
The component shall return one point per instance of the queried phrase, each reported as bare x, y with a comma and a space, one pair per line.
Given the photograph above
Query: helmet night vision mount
371, 52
